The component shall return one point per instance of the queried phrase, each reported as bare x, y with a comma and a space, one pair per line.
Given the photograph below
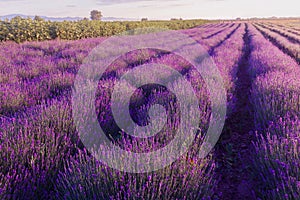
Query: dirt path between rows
234, 147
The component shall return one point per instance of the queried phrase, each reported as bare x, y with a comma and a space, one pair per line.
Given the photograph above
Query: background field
257, 156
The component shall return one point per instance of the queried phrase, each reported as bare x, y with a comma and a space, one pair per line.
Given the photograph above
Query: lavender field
256, 157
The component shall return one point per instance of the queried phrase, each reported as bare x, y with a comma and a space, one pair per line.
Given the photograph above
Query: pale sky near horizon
154, 9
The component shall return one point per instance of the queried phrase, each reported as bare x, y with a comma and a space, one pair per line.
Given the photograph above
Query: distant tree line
19, 29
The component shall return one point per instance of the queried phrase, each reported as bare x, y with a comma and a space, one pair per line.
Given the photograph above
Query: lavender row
264, 57
275, 74
205, 33
210, 33
216, 40
227, 57
275, 97
291, 24
214, 25
292, 37
285, 27
294, 26
282, 42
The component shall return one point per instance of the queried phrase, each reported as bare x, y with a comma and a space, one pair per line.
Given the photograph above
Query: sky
154, 9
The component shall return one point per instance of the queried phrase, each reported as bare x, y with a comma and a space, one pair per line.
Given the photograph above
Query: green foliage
21, 30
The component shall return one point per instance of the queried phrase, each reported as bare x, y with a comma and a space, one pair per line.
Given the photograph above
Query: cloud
163, 6
112, 2
71, 6
7, 1
148, 4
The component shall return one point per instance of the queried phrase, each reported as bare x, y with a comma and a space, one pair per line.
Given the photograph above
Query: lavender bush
33, 150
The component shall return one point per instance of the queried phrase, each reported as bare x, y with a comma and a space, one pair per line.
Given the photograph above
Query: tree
96, 15
38, 18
